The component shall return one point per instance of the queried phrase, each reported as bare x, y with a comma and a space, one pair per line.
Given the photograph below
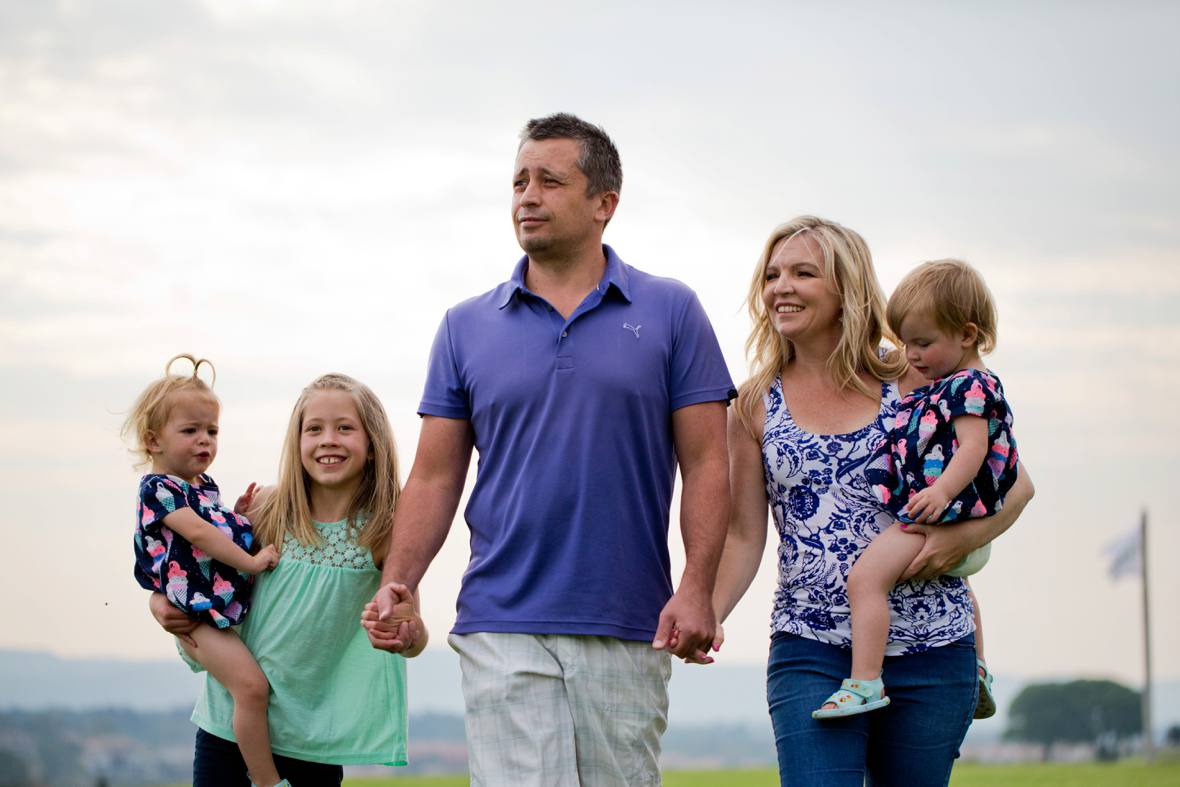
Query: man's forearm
424, 515
704, 518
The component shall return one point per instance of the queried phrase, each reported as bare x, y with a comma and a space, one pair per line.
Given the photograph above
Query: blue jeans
218, 763
913, 741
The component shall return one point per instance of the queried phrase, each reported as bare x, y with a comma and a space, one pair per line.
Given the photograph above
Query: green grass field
1165, 774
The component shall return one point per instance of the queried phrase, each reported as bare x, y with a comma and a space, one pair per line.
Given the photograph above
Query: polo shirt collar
615, 276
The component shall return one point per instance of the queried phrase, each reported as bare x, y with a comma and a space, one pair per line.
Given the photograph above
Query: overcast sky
295, 188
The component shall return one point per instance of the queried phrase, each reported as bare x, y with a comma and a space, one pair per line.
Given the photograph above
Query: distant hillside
716, 694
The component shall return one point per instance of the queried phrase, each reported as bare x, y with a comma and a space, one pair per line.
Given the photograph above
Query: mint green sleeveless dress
334, 699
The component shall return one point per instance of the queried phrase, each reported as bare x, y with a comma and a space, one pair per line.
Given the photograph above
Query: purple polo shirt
573, 425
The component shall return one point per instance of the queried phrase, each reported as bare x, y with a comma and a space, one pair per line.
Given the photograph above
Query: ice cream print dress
167, 563
922, 440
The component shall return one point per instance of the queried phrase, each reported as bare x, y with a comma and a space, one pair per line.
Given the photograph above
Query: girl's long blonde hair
288, 508
153, 406
848, 264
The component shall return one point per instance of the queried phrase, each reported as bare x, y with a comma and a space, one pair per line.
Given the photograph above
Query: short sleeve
971, 392
444, 394
698, 372
159, 496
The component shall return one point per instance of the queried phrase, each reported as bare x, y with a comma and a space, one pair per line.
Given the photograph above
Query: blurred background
295, 188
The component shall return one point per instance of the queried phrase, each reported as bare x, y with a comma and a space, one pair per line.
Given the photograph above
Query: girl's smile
333, 446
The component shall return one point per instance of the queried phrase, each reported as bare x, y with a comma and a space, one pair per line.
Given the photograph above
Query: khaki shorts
556, 710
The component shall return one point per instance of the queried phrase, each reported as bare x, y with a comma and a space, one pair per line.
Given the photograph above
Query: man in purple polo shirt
582, 383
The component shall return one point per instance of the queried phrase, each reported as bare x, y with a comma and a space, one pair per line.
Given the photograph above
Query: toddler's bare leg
978, 622
874, 575
227, 659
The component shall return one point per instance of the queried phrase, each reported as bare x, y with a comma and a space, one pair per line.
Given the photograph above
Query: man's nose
531, 194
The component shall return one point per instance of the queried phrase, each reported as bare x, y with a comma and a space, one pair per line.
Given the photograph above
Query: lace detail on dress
336, 549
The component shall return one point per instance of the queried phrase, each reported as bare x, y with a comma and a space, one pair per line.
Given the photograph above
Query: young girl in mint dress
335, 700
948, 456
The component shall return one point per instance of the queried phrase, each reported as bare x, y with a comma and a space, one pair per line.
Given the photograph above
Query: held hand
395, 637
172, 619
687, 627
928, 505
242, 507
267, 558
944, 549
395, 603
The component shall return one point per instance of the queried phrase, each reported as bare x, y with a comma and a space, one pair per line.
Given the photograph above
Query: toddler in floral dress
949, 456
195, 551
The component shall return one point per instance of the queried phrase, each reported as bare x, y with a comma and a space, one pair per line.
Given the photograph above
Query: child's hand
267, 558
928, 505
242, 507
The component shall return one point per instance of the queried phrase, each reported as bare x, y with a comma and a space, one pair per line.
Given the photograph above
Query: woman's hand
946, 546
172, 619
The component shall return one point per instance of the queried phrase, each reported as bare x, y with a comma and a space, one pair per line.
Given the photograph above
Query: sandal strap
858, 692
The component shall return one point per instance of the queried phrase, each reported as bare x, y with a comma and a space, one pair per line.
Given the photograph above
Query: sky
295, 188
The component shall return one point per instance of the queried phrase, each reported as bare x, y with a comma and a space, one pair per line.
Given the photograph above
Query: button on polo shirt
572, 419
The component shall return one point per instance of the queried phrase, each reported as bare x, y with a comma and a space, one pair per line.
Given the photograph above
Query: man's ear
970, 335
608, 201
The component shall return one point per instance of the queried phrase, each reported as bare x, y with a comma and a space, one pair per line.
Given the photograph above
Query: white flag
1125, 555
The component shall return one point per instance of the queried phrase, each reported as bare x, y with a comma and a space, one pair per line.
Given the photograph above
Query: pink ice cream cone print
932, 466
146, 515
222, 589
202, 561
200, 602
156, 550
882, 493
234, 611
973, 400
177, 589
997, 456
926, 429
978, 510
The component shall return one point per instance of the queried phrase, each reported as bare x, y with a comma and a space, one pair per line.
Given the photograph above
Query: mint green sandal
853, 697
985, 708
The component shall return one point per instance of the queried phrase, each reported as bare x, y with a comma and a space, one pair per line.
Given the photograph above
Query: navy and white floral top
826, 514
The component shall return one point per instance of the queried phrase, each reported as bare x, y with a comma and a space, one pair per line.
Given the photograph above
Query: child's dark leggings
218, 763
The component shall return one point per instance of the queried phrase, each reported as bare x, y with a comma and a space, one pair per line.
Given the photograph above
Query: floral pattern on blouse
826, 514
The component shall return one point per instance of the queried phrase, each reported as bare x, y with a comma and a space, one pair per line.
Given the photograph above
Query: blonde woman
804, 426
335, 700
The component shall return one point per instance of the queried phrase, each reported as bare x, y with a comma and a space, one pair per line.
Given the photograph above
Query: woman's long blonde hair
848, 265
153, 406
288, 508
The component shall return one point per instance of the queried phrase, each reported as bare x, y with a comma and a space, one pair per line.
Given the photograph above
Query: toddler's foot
985, 708
853, 697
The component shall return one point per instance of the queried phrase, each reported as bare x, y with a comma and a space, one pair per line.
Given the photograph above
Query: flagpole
1148, 736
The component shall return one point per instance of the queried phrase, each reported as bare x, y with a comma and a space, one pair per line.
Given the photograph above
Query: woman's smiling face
800, 301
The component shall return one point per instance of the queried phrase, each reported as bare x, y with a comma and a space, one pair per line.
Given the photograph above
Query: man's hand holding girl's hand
390, 619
